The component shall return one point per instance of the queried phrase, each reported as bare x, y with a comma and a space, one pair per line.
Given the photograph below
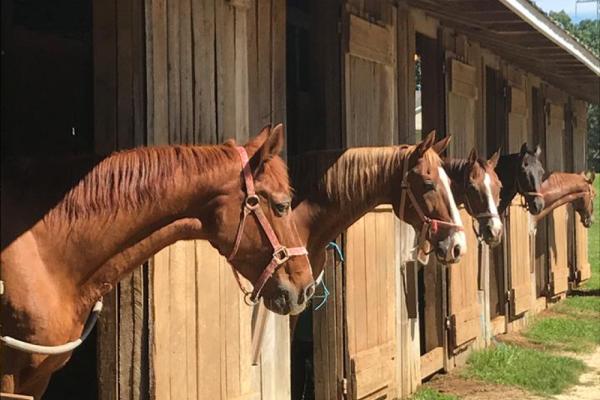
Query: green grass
565, 333
594, 242
425, 393
533, 370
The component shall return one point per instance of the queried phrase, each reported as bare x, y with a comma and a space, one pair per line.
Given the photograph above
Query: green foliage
594, 240
588, 33
425, 393
533, 370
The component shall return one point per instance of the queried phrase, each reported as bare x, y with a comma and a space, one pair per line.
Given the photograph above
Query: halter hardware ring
252, 202
249, 300
281, 255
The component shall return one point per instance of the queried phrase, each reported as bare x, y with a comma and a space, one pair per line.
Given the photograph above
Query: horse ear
538, 151
589, 176
493, 161
425, 144
442, 145
523, 149
473, 156
274, 143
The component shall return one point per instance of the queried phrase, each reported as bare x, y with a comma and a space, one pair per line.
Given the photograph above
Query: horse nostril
488, 231
456, 251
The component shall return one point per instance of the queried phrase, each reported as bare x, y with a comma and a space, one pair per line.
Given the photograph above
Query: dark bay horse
67, 241
562, 188
521, 173
476, 186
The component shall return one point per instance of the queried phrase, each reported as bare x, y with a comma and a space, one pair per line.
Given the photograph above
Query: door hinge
509, 295
444, 68
505, 92
344, 386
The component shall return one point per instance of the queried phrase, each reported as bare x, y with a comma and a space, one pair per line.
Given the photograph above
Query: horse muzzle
491, 231
451, 249
286, 299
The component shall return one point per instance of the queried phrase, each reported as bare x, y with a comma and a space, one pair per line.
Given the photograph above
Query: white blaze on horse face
496, 223
459, 236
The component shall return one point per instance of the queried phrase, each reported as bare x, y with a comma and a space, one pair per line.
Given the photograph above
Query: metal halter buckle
281, 255
252, 202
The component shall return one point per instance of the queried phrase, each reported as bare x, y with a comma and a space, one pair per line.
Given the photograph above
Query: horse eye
282, 208
429, 185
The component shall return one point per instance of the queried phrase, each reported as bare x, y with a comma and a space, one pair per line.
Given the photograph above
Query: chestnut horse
334, 188
521, 173
65, 249
562, 188
476, 186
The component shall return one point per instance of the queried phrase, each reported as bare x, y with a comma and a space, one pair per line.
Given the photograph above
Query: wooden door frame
120, 122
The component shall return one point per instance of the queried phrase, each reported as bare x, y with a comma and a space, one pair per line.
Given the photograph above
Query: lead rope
321, 280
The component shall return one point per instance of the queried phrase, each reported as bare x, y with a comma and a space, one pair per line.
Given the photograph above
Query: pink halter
280, 253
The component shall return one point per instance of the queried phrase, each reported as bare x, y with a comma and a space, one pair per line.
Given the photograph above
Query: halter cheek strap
430, 225
524, 193
281, 254
477, 217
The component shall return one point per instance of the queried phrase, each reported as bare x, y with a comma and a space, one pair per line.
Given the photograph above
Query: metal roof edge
543, 24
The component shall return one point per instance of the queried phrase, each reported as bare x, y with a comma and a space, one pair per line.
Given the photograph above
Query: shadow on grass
585, 293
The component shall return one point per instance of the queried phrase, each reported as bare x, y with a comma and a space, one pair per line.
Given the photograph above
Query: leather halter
524, 193
281, 254
430, 225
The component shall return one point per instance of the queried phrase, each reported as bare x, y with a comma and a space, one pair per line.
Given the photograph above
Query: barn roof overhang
522, 34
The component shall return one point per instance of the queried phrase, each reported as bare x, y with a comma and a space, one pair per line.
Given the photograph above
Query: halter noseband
430, 225
524, 193
281, 254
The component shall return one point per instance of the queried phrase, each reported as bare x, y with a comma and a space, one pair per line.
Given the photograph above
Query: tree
588, 33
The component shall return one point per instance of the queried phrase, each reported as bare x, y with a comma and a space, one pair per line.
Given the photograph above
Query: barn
106, 75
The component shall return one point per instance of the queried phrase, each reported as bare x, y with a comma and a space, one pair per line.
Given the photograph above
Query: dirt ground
472, 389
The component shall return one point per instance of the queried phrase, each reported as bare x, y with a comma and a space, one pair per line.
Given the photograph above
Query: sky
584, 10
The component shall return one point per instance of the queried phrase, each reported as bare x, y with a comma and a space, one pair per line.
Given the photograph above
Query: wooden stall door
582, 263
463, 304
370, 300
519, 254
557, 222
519, 258
216, 70
370, 119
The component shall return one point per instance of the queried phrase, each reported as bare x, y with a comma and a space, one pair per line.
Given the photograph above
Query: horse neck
455, 169
324, 213
561, 188
507, 173
105, 230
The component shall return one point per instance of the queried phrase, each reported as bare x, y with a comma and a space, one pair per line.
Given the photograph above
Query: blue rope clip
326, 293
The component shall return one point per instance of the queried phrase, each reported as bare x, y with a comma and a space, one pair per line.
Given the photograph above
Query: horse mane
351, 174
130, 178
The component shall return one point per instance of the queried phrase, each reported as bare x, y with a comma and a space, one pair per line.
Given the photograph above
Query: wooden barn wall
582, 263
120, 123
215, 70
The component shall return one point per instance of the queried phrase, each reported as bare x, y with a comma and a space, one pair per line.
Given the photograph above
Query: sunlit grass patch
425, 393
533, 370
565, 333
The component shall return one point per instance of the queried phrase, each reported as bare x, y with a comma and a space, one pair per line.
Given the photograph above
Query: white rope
63, 348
